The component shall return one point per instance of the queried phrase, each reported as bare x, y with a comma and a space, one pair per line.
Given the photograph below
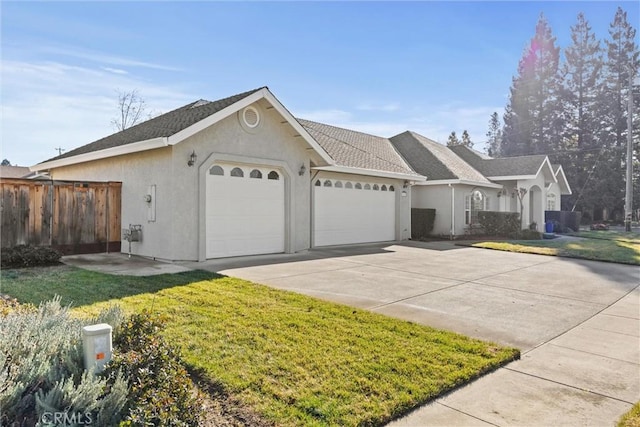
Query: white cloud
115, 70
46, 105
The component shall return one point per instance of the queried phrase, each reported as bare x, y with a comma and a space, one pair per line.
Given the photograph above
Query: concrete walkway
576, 322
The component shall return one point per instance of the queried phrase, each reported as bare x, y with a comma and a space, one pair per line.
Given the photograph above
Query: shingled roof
356, 149
434, 160
505, 166
164, 125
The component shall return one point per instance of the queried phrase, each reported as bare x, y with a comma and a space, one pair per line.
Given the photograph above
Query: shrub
28, 256
422, 221
528, 234
499, 223
41, 369
161, 393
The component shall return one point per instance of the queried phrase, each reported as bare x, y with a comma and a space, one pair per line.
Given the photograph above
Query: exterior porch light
302, 170
192, 159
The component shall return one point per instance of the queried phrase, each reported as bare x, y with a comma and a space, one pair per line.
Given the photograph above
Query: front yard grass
623, 248
294, 359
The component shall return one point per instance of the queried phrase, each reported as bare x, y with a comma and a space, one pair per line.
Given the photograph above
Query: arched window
367, 187
216, 170
255, 174
318, 183
391, 188
338, 184
383, 188
473, 203
358, 186
375, 187
273, 175
551, 202
327, 183
348, 185
237, 172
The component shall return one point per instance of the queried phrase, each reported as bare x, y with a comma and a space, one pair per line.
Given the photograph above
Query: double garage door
348, 212
245, 211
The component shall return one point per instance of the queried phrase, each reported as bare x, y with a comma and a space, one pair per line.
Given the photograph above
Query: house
242, 176
19, 172
463, 182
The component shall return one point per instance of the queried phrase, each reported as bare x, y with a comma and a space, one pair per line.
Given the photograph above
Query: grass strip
597, 249
294, 359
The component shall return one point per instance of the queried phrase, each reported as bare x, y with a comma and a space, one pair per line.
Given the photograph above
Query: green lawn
623, 248
294, 359
631, 418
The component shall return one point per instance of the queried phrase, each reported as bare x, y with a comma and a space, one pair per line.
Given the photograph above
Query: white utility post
96, 341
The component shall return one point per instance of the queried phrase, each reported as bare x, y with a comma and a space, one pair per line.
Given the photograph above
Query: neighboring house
242, 176
463, 182
19, 172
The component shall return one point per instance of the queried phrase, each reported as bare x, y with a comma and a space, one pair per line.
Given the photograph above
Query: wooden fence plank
75, 217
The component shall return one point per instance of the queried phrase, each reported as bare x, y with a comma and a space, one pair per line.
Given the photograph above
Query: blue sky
378, 67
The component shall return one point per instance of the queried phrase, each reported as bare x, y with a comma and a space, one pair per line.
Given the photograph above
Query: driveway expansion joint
593, 354
567, 385
466, 413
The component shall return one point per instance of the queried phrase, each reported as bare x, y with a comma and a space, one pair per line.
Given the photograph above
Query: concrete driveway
577, 323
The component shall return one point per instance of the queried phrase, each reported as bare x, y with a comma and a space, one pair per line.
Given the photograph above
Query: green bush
162, 394
28, 256
422, 221
41, 369
499, 223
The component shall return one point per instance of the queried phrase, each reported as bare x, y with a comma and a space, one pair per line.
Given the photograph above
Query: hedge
499, 223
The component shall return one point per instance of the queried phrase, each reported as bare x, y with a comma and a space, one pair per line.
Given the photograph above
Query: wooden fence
72, 217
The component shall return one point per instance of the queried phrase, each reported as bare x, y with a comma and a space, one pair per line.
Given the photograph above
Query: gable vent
251, 117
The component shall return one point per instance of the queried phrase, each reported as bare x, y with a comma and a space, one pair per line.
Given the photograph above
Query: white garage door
353, 212
244, 211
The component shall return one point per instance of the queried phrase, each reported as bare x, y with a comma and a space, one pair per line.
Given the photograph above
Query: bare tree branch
131, 108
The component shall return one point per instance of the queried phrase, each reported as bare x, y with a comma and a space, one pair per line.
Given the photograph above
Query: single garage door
348, 212
244, 211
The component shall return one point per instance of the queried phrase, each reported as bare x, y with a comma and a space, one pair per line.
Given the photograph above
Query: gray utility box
96, 341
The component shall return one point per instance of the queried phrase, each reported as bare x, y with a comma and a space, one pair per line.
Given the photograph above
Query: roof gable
175, 126
501, 167
434, 160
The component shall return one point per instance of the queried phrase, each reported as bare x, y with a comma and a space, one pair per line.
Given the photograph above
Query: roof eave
371, 172
563, 182
120, 150
511, 177
460, 182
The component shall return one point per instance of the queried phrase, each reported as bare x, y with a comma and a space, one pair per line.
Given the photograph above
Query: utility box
96, 341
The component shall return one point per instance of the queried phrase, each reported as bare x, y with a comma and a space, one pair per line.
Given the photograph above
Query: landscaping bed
292, 359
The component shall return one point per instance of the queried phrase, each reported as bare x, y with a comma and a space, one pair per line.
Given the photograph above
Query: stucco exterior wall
137, 172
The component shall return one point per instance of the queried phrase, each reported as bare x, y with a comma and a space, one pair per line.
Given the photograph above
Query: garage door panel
244, 216
344, 216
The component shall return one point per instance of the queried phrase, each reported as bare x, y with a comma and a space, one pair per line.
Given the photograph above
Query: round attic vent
251, 117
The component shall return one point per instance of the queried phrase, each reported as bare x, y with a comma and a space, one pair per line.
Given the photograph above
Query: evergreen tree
453, 139
621, 64
533, 121
582, 87
494, 136
466, 139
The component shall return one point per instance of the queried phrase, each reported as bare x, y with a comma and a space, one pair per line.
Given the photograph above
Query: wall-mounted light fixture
406, 184
192, 159
302, 170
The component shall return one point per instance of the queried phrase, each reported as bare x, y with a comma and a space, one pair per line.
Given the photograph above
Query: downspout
311, 205
452, 233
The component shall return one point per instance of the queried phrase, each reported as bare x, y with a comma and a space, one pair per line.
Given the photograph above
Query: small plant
162, 393
41, 369
28, 256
